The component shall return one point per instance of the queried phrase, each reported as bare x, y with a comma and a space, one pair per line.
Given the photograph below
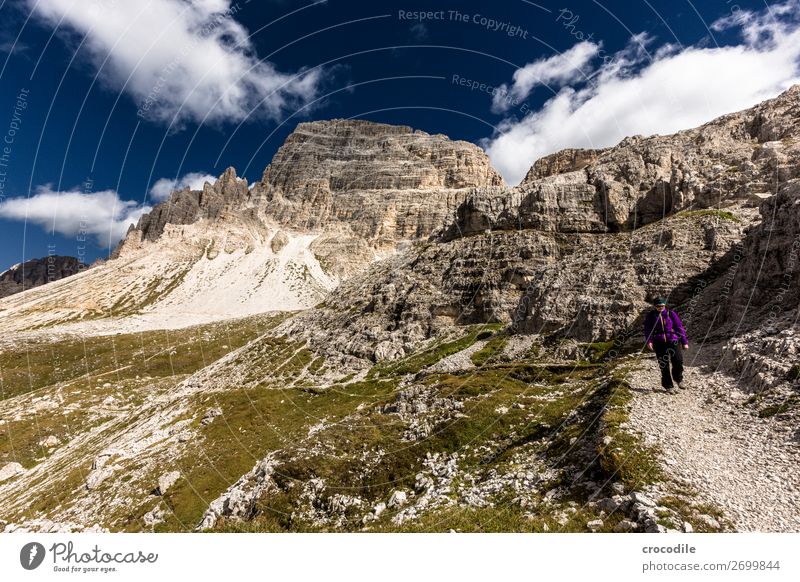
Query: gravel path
746, 465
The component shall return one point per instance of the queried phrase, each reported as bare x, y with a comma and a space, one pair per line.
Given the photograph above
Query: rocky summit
381, 335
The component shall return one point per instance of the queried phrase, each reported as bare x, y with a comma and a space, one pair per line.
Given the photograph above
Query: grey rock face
585, 286
187, 206
383, 182
567, 160
573, 250
769, 272
279, 241
576, 252
346, 155
378, 181
38, 272
737, 158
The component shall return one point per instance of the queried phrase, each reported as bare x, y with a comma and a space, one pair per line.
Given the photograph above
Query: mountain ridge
449, 353
37, 272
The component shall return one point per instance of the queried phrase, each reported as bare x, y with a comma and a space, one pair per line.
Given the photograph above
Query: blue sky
105, 104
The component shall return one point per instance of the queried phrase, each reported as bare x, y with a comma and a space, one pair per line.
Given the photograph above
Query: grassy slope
510, 412
61, 387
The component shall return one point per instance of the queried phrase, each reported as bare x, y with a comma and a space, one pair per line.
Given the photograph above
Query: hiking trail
710, 439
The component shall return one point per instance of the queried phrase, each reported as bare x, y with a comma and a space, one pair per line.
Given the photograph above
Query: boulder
397, 499
10, 470
167, 480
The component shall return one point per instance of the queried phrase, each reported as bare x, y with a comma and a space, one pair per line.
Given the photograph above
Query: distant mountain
382, 335
36, 272
337, 196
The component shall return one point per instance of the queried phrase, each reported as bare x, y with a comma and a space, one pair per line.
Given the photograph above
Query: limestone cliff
338, 196
378, 182
739, 158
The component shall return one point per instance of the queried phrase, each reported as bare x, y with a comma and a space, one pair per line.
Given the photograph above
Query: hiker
663, 330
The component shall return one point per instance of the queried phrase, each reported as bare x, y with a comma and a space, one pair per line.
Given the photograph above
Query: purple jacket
664, 326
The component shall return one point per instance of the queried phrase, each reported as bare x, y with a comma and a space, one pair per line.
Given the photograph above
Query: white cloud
676, 89
557, 70
180, 60
166, 186
13, 48
72, 213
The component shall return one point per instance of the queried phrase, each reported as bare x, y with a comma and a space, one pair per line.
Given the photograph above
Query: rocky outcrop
345, 155
561, 162
580, 248
362, 189
387, 311
590, 287
759, 303
188, 206
768, 277
10, 470
382, 183
739, 158
338, 196
379, 182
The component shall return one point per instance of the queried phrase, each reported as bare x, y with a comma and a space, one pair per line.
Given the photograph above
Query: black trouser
666, 352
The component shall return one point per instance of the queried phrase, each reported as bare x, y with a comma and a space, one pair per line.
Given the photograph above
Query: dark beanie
659, 301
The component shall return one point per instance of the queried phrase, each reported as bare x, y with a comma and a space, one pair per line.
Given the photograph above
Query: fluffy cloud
671, 89
166, 186
71, 213
180, 60
564, 68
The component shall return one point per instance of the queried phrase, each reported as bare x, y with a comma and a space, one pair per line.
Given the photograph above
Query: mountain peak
354, 154
361, 127
350, 171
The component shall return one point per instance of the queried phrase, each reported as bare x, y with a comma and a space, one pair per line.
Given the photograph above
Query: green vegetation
108, 375
357, 436
36, 364
506, 410
253, 423
416, 362
598, 350
317, 366
779, 408
684, 504
500, 519
488, 352
626, 456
